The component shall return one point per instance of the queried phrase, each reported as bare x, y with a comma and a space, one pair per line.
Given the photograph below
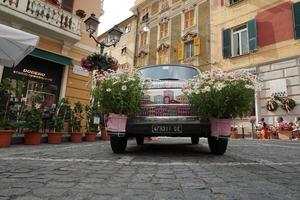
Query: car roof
175, 65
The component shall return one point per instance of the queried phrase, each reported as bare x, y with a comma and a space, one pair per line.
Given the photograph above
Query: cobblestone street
165, 169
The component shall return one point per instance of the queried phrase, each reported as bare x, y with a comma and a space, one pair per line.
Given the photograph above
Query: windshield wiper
169, 79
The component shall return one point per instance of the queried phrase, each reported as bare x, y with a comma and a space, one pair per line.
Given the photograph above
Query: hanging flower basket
80, 13
272, 105
99, 62
287, 104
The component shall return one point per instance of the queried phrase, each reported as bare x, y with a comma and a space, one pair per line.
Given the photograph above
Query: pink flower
37, 105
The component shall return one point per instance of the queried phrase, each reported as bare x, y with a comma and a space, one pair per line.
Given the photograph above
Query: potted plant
221, 96
92, 122
99, 62
32, 120
284, 130
80, 13
75, 122
57, 122
10, 102
119, 94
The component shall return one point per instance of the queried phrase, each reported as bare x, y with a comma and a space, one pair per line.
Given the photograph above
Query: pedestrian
264, 129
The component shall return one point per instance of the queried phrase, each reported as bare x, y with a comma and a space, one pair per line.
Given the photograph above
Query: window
143, 39
189, 17
232, 2
162, 56
164, 28
296, 12
123, 50
240, 41
189, 49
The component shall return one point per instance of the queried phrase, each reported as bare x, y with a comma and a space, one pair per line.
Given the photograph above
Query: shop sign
80, 71
32, 74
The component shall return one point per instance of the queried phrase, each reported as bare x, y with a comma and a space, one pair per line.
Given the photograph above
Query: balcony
55, 21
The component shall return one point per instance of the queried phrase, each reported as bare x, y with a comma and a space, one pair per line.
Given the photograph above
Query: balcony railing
45, 12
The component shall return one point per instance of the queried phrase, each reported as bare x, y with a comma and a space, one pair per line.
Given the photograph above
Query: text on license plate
165, 128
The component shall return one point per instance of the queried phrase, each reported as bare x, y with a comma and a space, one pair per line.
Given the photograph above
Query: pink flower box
220, 127
116, 123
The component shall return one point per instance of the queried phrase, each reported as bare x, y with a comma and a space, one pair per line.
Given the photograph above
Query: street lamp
114, 34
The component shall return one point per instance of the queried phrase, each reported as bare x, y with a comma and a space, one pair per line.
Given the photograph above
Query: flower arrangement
99, 62
80, 13
60, 114
284, 126
76, 117
220, 94
287, 104
32, 117
119, 92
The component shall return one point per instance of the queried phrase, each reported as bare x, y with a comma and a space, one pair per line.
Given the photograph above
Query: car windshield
166, 72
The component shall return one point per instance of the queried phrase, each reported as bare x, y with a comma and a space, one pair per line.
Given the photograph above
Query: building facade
261, 37
124, 51
55, 63
172, 32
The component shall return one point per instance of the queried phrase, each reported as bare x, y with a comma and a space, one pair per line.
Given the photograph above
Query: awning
15, 45
46, 55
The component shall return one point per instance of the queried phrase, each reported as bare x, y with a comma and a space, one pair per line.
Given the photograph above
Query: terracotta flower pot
90, 137
54, 137
32, 138
76, 137
5, 138
104, 135
285, 135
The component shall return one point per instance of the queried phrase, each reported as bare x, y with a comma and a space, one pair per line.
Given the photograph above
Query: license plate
165, 128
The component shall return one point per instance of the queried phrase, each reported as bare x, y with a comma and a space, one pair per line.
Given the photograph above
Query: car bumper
190, 126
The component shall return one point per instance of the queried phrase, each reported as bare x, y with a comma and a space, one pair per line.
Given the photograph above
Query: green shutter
227, 43
252, 34
296, 9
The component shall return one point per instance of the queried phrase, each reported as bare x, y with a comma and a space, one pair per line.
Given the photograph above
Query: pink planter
220, 127
116, 123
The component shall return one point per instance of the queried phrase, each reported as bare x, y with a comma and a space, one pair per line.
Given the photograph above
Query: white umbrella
15, 45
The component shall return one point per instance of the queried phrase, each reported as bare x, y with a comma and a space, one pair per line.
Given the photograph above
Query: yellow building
63, 43
262, 37
172, 31
124, 51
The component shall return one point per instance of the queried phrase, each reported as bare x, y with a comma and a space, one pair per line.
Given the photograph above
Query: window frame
144, 39
191, 48
163, 29
189, 15
239, 31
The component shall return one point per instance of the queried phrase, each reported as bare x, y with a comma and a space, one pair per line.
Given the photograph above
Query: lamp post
114, 34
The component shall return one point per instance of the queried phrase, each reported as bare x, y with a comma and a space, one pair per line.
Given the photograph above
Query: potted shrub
10, 102
92, 122
32, 120
57, 122
119, 94
284, 130
75, 122
221, 96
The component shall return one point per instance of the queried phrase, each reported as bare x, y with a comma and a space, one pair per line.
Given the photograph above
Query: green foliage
33, 117
92, 112
119, 92
10, 103
76, 117
60, 114
222, 95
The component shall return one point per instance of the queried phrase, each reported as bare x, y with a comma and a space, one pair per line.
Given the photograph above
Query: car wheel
217, 146
118, 144
195, 140
139, 140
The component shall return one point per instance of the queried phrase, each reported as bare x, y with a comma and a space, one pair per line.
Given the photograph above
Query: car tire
118, 144
195, 140
217, 146
139, 140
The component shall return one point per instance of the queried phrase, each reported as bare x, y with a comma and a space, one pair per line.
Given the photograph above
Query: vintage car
165, 111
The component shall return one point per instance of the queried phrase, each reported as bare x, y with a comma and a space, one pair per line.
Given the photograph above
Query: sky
115, 11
